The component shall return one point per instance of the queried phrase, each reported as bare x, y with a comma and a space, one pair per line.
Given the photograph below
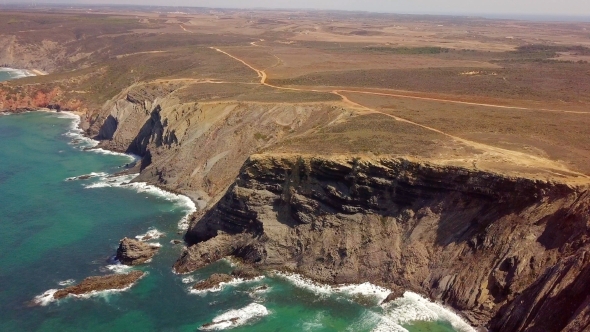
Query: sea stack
135, 252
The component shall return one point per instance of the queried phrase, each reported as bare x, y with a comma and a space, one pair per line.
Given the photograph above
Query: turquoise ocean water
8, 73
53, 230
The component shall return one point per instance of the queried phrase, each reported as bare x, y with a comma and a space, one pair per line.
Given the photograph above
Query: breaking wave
222, 285
412, 308
365, 289
17, 73
124, 181
236, 317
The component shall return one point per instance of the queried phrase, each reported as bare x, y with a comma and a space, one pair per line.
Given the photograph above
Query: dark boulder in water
134, 252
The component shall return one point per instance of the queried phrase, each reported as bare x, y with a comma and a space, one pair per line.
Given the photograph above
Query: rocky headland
509, 253
507, 249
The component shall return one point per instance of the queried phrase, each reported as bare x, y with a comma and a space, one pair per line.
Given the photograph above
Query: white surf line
234, 282
124, 181
17, 73
366, 289
236, 317
412, 307
409, 308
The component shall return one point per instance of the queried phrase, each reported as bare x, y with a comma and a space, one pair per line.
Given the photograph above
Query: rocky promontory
509, 253
135, 252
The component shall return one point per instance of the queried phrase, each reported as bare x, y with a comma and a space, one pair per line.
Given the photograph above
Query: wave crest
236, 317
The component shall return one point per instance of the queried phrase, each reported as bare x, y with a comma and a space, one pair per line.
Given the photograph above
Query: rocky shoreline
477, 241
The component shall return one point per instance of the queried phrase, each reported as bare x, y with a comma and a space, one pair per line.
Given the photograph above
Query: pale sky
526, 7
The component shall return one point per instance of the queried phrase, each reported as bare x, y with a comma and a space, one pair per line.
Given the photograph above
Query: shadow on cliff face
151, 131
230, 215
473, 240
108, 129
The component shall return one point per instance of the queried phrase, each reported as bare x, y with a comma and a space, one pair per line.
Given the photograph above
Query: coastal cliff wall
197, 148
509, 253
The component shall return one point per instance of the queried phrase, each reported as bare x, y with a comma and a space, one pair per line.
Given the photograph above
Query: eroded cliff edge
509, 253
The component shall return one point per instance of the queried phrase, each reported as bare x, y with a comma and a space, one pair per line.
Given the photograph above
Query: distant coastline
20, 73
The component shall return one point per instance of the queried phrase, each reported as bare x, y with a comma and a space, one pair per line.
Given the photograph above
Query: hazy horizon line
498, 15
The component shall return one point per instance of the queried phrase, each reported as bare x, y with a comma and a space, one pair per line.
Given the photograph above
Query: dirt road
491, 152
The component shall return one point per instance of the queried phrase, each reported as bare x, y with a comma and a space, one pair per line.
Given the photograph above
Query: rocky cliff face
197, 148
509, 253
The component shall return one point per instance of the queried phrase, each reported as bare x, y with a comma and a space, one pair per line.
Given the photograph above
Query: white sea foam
45, 298
76, 134
151, 234
409, 308
236, 317
87, 176
113, 153
316, 323
112, 181
231, 262
365, 289
17, 73
234, 282
123, 181
118, 268
188, 280
66, 282
83, 142
413, 307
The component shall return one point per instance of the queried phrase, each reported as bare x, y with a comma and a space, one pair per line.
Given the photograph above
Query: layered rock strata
135, 252
508, 253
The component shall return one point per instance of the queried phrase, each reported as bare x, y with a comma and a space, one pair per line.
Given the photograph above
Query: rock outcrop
508, 253
100, 283
213, 281
244, 273
135, 252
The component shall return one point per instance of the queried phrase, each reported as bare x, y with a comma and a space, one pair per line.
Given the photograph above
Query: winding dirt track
509, 156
